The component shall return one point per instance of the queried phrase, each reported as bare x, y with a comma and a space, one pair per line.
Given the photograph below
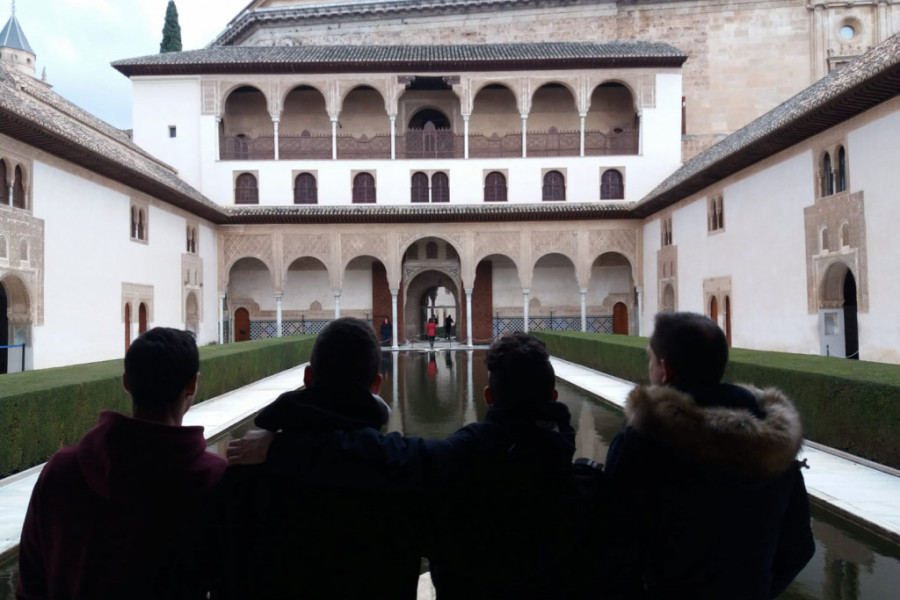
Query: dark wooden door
620, 318
241, 325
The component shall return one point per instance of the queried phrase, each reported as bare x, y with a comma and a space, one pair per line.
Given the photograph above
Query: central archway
431, 293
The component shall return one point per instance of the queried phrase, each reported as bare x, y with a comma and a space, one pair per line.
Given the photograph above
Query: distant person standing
118, 514
708, 475
431, 330
386, 332
448, 326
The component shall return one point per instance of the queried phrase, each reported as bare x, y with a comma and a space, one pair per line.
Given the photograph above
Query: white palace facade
517, 165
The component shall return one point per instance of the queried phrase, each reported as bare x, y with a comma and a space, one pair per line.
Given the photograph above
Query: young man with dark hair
336, 509
117, 514
506, 510
708, 475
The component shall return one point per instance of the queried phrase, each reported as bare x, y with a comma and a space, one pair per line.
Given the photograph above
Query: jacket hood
320, 407
726, 434
121, 456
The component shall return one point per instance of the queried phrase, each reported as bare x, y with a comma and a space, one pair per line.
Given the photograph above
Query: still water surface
432, 394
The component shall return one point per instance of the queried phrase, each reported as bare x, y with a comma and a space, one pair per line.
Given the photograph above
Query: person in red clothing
431, 329
118, 514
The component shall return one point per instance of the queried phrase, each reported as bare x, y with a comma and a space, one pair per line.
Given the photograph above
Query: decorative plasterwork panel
563, 242
363, 244
22, 257
507, 243
623, 241
298, 246
836, 233
648, 90
237, 246
191, 282
209, 98
720, 289
667, 277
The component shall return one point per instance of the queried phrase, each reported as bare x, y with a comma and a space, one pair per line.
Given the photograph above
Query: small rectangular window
173, 131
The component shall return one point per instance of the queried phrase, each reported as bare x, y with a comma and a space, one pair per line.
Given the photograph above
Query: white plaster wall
650, 299
660, 137
554, 283
872, 169
306, 286
207, 248
608, 280
88, 254
251, 279
357, 290
506, 286
157, 103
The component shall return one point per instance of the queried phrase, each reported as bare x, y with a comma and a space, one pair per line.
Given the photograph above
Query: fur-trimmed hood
761, 445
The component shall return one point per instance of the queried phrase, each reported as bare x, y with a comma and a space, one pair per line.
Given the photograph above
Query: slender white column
525, 292
469, 317
396, 421
524, 139
337, 303
393, 136
9, 196
221, 317
639, 291
218, 139
278, 297
275, 123
334, 124
640, 133
584, 292
465, 136
583, 117
394, 346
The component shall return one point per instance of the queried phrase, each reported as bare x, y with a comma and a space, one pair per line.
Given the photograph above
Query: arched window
825, 239
611, 185
720, 212
431, 250
714, 309
840, 183
440, 187
845, 235
127, 326
728, 320
4, 180
827, 176
134, 222
419, 188
142, 318
23, 251
495, 187
19, 189
305, 190
245, 189
554, 186
140, 225
364, 189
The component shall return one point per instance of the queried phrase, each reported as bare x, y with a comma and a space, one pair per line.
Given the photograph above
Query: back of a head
346, 351
692, 344
158, 366
519, 371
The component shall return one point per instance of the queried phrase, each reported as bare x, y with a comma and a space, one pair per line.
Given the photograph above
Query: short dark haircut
158, 366
692, 344
519, 371
346, 351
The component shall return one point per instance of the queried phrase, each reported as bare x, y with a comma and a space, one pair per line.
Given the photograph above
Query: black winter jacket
713, 496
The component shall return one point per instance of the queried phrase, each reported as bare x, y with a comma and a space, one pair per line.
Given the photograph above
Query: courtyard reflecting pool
432, 394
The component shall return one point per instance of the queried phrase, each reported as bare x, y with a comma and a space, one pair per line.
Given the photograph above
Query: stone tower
14, 47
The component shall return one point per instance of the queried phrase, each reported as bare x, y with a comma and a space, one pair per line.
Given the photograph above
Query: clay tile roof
430, 213
32, 113
848, 91
344, 58
12, 36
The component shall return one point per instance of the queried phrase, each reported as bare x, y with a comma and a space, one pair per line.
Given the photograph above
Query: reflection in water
433, 398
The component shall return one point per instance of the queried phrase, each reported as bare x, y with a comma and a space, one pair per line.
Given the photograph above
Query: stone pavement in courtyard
850, 486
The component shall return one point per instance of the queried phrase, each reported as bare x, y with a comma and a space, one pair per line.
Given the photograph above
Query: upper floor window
245, 189
419, 188
666, 231
364, 189
138, 223
173, 131
715, 213
431, 250
845, 235
440, 187
827, 176
305, 190
611, 185
19, 189
191, 243
4, 180
840, 175
554, 186
495, 187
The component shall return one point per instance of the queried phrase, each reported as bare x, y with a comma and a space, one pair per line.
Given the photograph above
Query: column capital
395, 291
279, 296
526, 291
583, 290
468, 291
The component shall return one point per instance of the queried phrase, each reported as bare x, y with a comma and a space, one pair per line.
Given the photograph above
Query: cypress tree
171, 40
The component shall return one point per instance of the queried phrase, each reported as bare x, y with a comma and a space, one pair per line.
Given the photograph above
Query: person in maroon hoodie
119, 514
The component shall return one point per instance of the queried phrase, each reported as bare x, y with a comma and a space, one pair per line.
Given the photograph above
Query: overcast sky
75, 40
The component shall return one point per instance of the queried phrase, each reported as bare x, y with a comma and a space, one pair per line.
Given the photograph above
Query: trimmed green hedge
47, 409
850, 405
